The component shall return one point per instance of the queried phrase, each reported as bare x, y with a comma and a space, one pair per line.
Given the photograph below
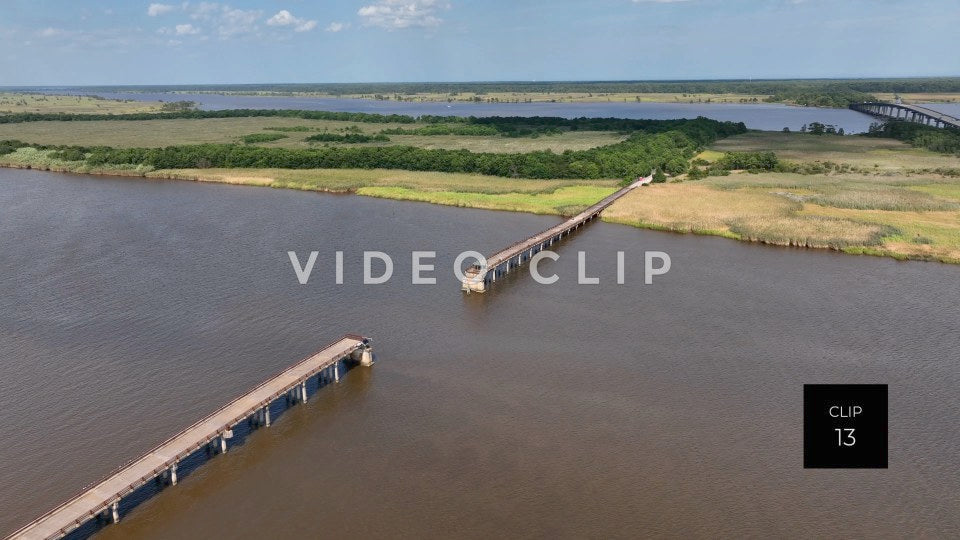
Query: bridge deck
506, 254
934, 114
875, 108
99, 496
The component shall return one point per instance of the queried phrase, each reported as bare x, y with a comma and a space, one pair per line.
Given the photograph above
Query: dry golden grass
874, 153
693, 207
902, 217
919, 234
42, 103
932, 97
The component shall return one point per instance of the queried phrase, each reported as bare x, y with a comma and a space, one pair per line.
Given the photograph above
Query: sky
81, 42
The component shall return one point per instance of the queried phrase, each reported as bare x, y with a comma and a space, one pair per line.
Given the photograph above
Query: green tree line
667, 145
943, 140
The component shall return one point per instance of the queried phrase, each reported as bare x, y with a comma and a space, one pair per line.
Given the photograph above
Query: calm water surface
131, 308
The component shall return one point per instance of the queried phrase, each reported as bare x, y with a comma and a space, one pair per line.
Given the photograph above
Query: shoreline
430, 197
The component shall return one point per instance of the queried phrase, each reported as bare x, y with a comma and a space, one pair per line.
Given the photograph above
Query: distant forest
663, 145
806, 92
755, 86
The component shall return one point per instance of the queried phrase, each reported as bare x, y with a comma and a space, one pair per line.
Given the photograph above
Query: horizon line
492, 81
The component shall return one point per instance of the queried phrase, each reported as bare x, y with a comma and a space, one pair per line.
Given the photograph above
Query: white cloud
237, 21
50, 32
159, 9
658, 1
285, 18
186, 30
226, 21
403, 13
336, 26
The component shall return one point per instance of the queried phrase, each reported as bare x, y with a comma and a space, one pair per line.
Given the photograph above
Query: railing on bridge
101, 499
909, 113
477, 278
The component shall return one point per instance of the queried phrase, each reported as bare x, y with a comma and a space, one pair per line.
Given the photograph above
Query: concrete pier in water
478, 279
101, 500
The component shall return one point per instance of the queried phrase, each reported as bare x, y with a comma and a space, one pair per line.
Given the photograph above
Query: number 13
845, 434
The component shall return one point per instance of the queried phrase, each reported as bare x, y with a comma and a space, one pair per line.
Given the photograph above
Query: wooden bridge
477, 278
101, 499
910, 113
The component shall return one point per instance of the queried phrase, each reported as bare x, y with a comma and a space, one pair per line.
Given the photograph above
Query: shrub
262, 137
69, 154
349, 138
751, 161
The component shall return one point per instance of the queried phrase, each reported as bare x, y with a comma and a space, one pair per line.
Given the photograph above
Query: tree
659, 177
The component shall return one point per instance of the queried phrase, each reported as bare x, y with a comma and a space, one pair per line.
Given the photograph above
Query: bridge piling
501, 263
101, 501
907, 113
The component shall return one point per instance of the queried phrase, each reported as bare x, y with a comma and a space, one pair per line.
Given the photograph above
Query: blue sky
72, 42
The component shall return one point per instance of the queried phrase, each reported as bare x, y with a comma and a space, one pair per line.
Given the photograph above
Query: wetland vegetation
894, 191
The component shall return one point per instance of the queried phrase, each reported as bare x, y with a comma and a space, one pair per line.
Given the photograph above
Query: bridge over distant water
910, 113
101, 500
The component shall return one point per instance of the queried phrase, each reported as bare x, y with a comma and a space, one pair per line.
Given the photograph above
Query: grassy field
943, 97
881, 155
890, 210
889, 206
41, 103
564, 197
157, 133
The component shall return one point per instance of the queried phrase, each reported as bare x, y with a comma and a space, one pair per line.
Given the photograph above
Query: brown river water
131, 308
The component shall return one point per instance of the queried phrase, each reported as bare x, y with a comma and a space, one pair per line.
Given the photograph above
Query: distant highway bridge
910, 113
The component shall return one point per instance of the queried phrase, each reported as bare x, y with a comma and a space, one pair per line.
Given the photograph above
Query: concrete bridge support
908, 113
210, 433
366, 357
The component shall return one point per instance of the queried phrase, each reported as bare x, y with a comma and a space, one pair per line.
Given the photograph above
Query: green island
892, 192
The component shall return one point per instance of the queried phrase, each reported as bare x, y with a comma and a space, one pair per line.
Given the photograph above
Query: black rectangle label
845, 426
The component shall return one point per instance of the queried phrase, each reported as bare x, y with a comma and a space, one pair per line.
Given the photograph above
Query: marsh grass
901, 217
875, 154
50, 160
183, 131
905, 217
890, 198
812, 232
562, 201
